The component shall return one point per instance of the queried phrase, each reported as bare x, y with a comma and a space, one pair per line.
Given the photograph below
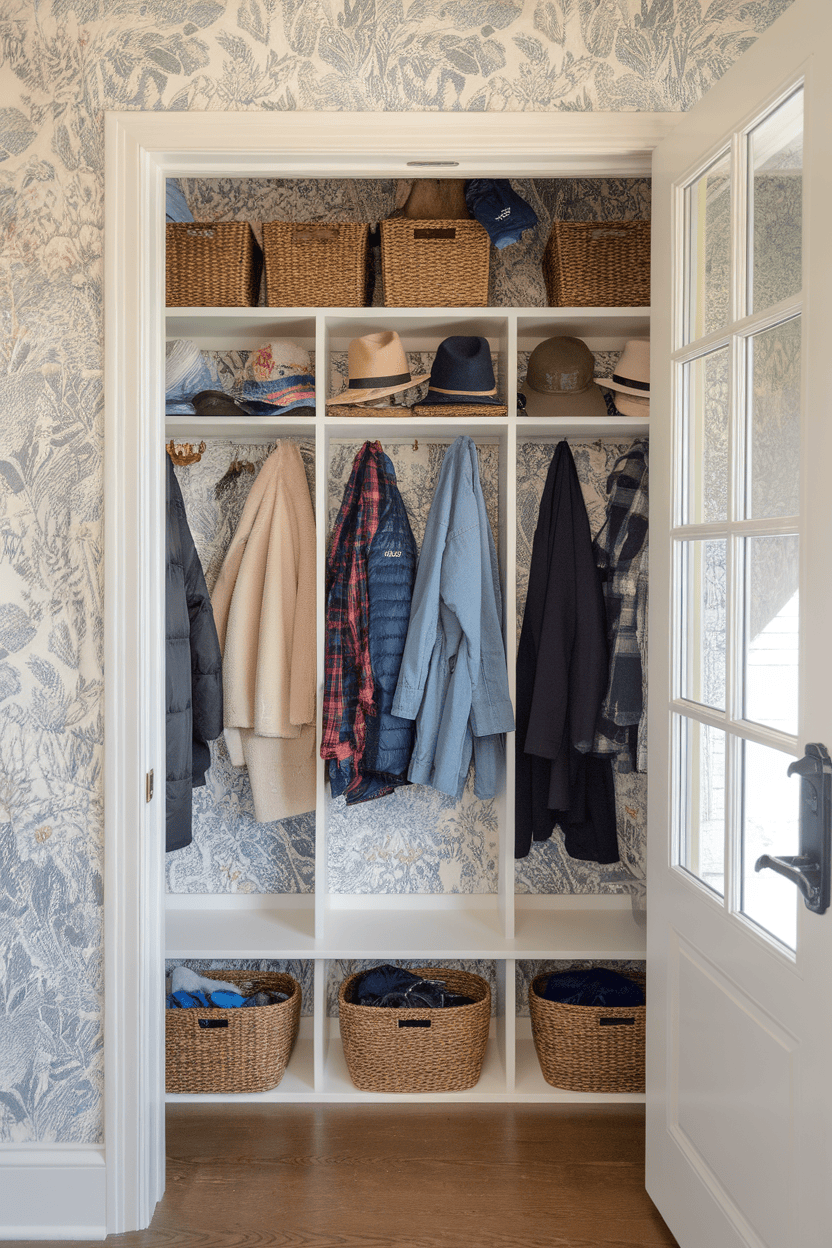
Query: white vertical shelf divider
321, 533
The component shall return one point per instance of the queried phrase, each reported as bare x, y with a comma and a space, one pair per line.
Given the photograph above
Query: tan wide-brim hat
559, 381
627, 405
632, 372
377, 366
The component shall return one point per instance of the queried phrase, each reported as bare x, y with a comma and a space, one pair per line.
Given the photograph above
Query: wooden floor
412, 1176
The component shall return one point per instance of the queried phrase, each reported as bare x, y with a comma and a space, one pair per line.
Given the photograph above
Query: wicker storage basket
441, 264
238, 1050
598, 264
316, 265
421, 1050
589, 1048
212, 264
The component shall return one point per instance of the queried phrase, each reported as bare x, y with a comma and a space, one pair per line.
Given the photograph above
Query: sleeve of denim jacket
471, 589
424, 608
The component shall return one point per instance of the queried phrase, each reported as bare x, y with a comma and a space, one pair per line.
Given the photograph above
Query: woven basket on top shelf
441, 264
245, 1049
324, 264
598, 264
589, 1048
212, 264
417, 1050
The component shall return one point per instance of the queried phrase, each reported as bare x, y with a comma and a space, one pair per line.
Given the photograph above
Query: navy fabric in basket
597, 986
395, 988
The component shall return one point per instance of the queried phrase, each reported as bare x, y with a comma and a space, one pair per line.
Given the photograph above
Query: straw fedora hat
631, 379
377, 366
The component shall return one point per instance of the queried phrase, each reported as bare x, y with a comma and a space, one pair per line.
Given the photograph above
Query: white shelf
625, 427
210, 927
234, 928
529, 1084
240, 427
241, 328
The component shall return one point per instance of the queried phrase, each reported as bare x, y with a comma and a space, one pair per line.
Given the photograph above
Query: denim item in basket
395, 988
499, 208
593, 986
453, 679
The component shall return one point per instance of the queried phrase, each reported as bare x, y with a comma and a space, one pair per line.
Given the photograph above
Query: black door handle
810, 869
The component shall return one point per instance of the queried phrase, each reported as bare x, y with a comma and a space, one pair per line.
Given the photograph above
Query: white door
740, 971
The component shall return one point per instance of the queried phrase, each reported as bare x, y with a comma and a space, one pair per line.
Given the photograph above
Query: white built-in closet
320, 911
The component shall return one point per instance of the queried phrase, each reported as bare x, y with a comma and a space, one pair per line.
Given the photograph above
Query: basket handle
414, 1022
444, 232
311, 233
212, 1022
616, 1022
200, 232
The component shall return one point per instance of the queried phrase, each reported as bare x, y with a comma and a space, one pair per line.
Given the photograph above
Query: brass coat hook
183, 453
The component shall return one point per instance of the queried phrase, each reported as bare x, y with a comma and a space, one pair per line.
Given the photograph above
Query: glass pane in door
705, 383
708, 230
702, 592
700, 801
771, 631
770, 826
775, 205
773, 421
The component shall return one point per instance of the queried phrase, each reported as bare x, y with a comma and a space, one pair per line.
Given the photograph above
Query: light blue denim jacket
453, 679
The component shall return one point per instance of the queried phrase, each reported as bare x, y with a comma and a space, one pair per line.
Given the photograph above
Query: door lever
804, 872
810, 869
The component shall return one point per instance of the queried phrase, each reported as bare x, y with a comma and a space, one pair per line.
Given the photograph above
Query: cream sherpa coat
264, 607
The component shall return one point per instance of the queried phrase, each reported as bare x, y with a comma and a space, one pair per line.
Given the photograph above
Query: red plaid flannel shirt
348, 676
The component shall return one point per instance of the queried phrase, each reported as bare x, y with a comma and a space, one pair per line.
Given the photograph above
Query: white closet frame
142, 150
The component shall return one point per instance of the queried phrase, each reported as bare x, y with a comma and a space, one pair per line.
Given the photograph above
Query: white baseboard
52, 1192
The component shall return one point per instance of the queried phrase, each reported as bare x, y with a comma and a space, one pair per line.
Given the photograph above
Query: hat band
628, 381
437, 390
375, 383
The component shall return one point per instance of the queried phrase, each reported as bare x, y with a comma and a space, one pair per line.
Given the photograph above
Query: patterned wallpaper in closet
62, 63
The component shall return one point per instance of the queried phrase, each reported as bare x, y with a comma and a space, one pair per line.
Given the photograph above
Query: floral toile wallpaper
62, 64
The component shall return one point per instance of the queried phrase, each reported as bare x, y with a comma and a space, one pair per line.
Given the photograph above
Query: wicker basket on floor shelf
442, 264
589, 1048
417, 1050
245, 1049
212, 264
317, 264
598, 264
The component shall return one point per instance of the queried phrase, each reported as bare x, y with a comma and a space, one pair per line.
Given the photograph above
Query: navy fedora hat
462, 372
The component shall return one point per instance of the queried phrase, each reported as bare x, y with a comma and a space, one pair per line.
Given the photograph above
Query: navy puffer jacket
193, 669
391, 572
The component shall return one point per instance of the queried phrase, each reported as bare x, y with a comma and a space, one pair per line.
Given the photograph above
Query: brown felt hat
377, 366
559, 381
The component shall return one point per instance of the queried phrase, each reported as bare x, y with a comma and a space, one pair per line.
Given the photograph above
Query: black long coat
562, 672
193, 669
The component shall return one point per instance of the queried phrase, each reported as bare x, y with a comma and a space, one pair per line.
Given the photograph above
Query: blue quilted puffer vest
391, 572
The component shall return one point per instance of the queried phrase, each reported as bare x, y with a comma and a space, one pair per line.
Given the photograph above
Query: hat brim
361, 396
609, 384
256, 407
638, 408
437, 400
584, 404
216, 403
